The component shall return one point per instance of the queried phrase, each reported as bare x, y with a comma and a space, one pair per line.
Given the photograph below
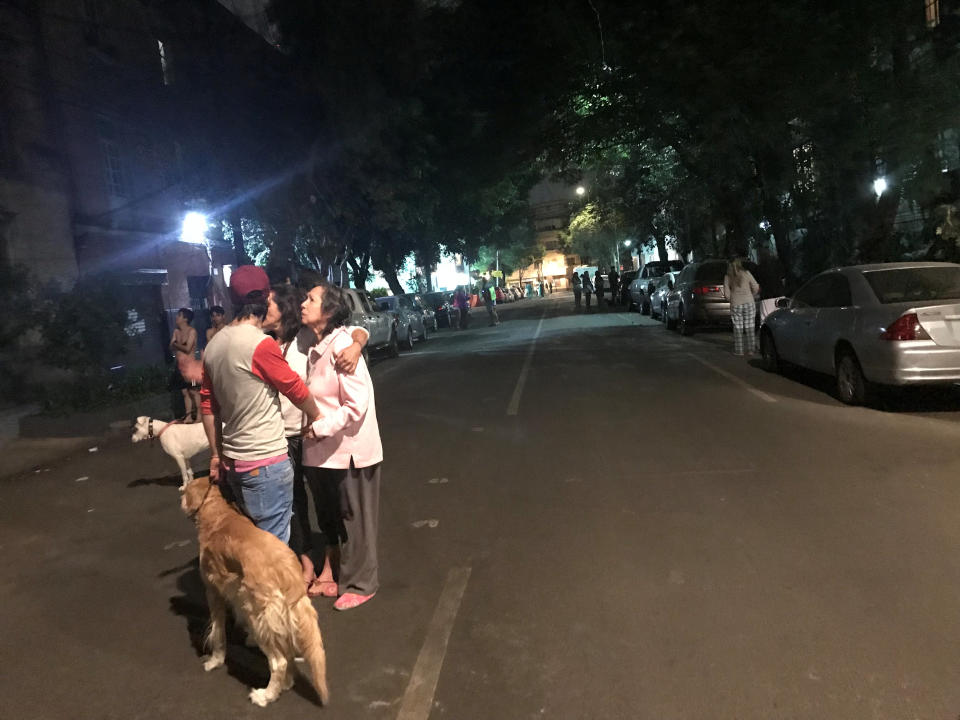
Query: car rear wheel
851, 385
683, 324
671, 324
768, 352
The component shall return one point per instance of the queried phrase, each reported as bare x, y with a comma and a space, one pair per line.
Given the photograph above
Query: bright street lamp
880, 186
581, 190
194, 228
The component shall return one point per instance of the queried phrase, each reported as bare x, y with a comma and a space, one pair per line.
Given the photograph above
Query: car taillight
906, 327
706, 289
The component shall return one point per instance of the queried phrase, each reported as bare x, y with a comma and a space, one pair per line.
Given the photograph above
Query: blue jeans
265, 494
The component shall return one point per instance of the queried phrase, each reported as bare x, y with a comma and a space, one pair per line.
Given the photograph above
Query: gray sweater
741, 291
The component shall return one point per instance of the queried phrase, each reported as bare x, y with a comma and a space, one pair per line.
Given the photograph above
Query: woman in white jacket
741, 288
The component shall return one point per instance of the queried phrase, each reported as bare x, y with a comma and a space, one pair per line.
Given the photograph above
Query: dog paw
213, 662
259, 696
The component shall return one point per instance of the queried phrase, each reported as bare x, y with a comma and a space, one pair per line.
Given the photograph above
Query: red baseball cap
246, 280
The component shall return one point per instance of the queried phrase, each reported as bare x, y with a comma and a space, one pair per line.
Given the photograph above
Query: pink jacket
347, 428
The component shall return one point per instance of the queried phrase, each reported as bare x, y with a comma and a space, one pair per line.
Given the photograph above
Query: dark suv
697, 299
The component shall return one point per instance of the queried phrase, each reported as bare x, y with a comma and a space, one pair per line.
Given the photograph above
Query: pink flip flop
348, 601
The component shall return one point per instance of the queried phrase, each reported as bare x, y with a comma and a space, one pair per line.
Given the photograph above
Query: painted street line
431, 523
514, 405
733, 378
418, 698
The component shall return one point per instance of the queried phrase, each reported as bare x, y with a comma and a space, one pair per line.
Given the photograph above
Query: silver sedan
888, 323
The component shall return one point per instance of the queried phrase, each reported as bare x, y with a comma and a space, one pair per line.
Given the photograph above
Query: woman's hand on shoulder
347, 359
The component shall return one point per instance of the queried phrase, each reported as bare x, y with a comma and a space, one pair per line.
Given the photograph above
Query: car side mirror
783, 302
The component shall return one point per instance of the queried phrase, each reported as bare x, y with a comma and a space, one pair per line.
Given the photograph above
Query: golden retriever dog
262, 581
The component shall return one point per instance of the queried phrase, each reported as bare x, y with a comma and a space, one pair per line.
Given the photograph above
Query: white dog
178, 440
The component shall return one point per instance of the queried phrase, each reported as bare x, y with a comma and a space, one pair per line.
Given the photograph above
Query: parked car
623, 294
640, 285
662, 286
364, 312
410, 324
442, 304
697, 299
429, 314
883, 324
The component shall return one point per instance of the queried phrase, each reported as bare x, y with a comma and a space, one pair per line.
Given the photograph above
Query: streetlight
194, 229
581, 190
880, 186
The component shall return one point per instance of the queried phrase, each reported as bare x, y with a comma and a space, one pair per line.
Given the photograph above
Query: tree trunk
662, 247
360, 270
239, 250
393, 282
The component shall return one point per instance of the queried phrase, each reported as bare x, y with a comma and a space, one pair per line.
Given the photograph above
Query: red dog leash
162, 431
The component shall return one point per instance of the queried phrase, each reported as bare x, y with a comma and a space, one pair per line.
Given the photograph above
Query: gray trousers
348, 505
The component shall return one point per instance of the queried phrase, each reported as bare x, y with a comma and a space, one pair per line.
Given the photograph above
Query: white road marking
418, 698
431, 523
514, 405
733, 378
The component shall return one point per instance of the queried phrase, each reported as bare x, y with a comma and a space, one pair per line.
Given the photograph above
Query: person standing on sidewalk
598, 284
461, 301
577, 286
740, 287
770, 275
244, 372
216, 322
489, 299
614, 280
587, 288
342, 454
183, 342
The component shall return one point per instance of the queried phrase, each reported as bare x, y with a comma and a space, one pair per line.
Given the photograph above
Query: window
931, 10
918, 284
166, 68
113, 174
829, 290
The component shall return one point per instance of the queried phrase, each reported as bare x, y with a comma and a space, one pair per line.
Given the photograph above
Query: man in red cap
243, 371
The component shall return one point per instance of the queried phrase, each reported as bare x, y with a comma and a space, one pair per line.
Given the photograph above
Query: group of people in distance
323, 432
583, 286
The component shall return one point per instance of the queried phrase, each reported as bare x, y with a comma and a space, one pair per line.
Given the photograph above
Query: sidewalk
31, 442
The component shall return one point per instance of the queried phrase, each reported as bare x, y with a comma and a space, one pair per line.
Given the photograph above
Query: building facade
117, 118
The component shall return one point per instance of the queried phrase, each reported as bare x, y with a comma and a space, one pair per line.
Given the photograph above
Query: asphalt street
582, 516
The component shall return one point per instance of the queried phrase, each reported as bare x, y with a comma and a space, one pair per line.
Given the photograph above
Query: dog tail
310, 644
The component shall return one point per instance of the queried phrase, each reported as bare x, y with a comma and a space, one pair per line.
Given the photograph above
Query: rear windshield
712, 272
915, 284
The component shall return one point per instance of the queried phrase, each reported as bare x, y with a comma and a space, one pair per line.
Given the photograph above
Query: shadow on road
920, 400
246, 664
